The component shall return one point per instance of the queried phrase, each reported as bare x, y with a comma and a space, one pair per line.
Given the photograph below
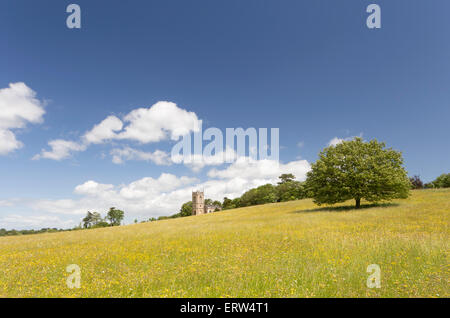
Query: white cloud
157, 122
106, 130
145, 125
8, 142
60, 149
149, 187
93, 188
18, 107
159, 157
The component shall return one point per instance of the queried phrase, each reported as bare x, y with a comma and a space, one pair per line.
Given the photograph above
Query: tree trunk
358, 203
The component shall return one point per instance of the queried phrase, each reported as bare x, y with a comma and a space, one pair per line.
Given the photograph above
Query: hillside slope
292, 249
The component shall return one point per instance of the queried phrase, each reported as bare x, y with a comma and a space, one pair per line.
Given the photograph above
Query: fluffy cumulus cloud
18, 107
161, 121
60, 149
104, 131
92, 188
8, 142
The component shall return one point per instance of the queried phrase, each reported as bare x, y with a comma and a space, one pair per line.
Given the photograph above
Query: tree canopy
91, 219
416, 183
115, 216
186, 209
286, 177
358, 170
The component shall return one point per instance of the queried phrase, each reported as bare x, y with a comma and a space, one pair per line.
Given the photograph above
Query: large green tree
115, 216
358, 170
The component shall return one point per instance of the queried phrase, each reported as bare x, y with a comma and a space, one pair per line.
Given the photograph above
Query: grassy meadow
292, 249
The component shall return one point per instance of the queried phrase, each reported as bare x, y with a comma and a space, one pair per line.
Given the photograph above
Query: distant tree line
287, 189
92, 220
443, 181
4, 232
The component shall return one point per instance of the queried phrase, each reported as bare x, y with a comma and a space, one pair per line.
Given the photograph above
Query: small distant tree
358, 170
115, 216
186, 209
416, 183
87, 220
96, 218
91, 219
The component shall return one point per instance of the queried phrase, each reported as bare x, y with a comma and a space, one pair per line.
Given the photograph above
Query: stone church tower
198, 203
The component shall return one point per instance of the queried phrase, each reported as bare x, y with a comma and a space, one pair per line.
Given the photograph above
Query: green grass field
292, 249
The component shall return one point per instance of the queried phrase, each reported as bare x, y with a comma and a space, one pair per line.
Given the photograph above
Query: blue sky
311, 68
